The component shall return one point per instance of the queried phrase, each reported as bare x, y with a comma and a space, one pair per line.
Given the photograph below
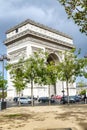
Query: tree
33, 69
77, 10
3, 85
51, 76
17, 76
48, 76
69, 68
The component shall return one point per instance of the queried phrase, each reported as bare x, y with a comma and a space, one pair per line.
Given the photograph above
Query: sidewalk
44, 117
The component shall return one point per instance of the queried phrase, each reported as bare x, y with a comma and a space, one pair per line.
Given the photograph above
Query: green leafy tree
69, 68
48, 76
3, 86
77, 10
17, 76
33, 66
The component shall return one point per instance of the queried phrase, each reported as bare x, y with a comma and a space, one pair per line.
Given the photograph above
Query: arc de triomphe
29, 36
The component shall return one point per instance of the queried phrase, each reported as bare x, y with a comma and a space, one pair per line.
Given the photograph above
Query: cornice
38, 25
27, 33
46, 44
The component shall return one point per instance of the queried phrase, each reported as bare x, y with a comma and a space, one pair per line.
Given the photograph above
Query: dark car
64, 100
45, 99
76, 98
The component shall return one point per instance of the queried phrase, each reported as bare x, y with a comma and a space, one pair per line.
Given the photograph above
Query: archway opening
53, 58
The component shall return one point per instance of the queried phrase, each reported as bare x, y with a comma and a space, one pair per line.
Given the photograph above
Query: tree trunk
49, 94
2, 94
32, 102
19, 104
55, 88
67, 92
63, 92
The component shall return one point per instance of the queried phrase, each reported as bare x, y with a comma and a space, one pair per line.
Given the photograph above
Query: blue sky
47, 12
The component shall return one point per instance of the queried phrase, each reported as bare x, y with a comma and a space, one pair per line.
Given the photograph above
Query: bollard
3, 105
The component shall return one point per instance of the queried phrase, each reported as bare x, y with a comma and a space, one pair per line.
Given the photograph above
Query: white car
23, 100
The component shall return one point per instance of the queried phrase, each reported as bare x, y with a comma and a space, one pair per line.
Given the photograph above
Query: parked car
45, 99
76, 98
24, 100
16, 99
56, 97
64, 100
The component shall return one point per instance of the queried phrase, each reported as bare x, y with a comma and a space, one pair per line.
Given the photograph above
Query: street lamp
2, 59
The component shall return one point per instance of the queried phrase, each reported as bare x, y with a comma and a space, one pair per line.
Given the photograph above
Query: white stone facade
27, 37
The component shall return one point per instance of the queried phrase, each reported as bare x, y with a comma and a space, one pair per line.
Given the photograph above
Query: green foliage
70, 67
83, 92
34, 66
48, 74
77, 10
3, 86
17, 75
5, 95
3, 83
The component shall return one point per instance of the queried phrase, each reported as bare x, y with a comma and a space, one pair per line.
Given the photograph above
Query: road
36, 103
